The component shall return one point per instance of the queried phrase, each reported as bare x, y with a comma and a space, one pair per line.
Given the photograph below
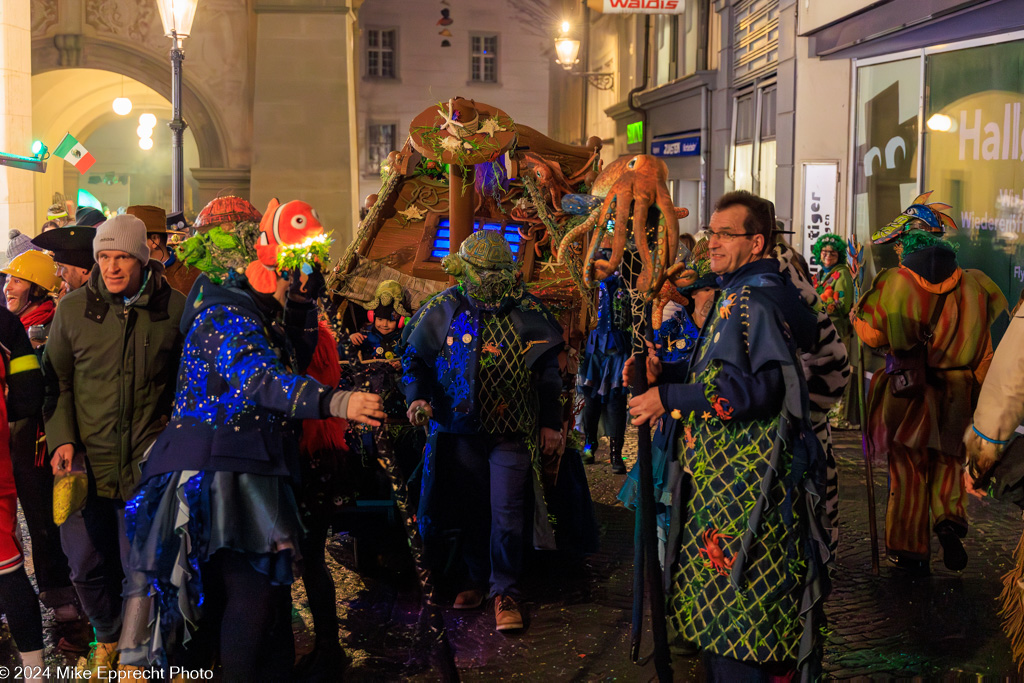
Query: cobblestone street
940, 627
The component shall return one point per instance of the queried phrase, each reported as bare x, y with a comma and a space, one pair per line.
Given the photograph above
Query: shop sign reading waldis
643, 6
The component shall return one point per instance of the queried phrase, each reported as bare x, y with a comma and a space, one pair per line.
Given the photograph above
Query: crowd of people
183, 421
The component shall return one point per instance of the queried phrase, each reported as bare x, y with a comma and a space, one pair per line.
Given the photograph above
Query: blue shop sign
685, 146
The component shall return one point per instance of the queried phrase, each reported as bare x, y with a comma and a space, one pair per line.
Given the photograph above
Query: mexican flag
72, 151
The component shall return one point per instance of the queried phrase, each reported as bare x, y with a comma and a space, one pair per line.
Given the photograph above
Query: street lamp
177, 16
568, 50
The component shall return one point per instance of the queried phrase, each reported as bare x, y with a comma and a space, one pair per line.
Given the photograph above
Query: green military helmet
487, 249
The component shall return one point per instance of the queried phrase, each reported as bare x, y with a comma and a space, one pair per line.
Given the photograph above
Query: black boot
615, 448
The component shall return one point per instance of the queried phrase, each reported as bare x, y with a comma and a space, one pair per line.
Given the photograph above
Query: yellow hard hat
35, 267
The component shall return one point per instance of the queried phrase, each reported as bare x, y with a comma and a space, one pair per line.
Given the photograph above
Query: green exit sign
635, 133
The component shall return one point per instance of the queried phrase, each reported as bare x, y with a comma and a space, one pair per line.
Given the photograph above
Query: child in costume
931, 308
215, 528
481, 363
375, 363
374, 350
674, 341
604, 393
834, 286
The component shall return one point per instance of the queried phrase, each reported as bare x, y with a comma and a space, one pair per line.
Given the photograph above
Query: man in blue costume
481, 362
747, 576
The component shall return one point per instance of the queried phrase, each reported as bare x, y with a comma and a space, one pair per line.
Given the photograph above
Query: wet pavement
939, 627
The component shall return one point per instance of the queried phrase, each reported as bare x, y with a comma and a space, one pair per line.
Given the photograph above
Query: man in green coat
113, 349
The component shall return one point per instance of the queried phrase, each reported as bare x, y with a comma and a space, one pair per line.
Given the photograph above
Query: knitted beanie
121, 233
18, 244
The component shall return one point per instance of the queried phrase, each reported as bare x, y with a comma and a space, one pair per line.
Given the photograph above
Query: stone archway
78, 51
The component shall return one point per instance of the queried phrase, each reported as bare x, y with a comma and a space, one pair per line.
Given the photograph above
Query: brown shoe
507, 616
469, 599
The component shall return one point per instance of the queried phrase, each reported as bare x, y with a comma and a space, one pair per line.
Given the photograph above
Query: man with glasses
746, 580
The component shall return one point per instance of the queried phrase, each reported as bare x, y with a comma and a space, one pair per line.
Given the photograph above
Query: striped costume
922, 435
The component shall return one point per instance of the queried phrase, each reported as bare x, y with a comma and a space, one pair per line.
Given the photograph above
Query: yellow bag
70, 491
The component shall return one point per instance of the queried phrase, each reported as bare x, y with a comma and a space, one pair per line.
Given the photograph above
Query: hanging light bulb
147, 120
122, 105
144, 131
146, 143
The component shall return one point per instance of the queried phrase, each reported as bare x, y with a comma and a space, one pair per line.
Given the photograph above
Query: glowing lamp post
177, 16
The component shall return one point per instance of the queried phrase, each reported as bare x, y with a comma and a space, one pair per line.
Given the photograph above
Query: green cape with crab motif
748, 552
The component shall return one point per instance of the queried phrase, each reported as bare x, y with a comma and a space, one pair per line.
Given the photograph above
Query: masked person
935, 318
481, 362
217, 497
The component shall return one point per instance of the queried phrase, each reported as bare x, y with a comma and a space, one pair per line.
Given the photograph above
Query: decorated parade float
571, 223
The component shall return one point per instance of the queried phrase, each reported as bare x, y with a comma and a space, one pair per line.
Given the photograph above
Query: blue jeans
486, 481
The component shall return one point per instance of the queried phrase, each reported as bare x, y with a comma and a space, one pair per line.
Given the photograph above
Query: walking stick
636, 630
856, 252
440, 647
648, 523
868, 468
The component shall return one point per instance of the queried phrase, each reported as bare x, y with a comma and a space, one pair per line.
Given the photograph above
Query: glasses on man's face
829, 252
726, 235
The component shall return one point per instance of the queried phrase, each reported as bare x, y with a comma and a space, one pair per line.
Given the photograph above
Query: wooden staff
430, 614
648, 524
856, 258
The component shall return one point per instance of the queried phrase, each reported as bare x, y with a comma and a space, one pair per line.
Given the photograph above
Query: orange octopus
631, 187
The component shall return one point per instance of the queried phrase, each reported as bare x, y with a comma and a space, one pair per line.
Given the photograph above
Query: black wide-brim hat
71, 245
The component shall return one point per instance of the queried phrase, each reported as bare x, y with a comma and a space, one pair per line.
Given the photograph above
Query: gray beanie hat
124, 233
18, 243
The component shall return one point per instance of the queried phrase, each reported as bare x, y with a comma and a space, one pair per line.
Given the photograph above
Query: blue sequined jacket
442, 358
239, 404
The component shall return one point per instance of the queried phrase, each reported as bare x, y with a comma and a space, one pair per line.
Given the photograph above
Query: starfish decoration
453, 144
705, 415
413, 213
491, 126
548, 265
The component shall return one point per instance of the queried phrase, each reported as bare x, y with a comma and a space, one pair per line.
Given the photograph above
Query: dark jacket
443, 358
115, 366
22, 376
239, 401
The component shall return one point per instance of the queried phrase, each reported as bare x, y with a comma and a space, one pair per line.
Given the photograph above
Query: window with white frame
753, 149
666, 47
380, 141
380, 53
483, 58
743, 143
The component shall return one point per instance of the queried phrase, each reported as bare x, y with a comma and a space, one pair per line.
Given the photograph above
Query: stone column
304, 142
16, 200
215, 182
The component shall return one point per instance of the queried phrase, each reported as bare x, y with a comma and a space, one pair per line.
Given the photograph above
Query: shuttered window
755, 39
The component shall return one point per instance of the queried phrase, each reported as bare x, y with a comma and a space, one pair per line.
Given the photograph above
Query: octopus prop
630, 187
549, 178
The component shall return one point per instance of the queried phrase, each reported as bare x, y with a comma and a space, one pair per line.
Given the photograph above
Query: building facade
412, 55
268, 95
839, 111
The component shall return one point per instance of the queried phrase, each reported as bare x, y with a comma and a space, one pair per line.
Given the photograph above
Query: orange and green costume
922, 436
